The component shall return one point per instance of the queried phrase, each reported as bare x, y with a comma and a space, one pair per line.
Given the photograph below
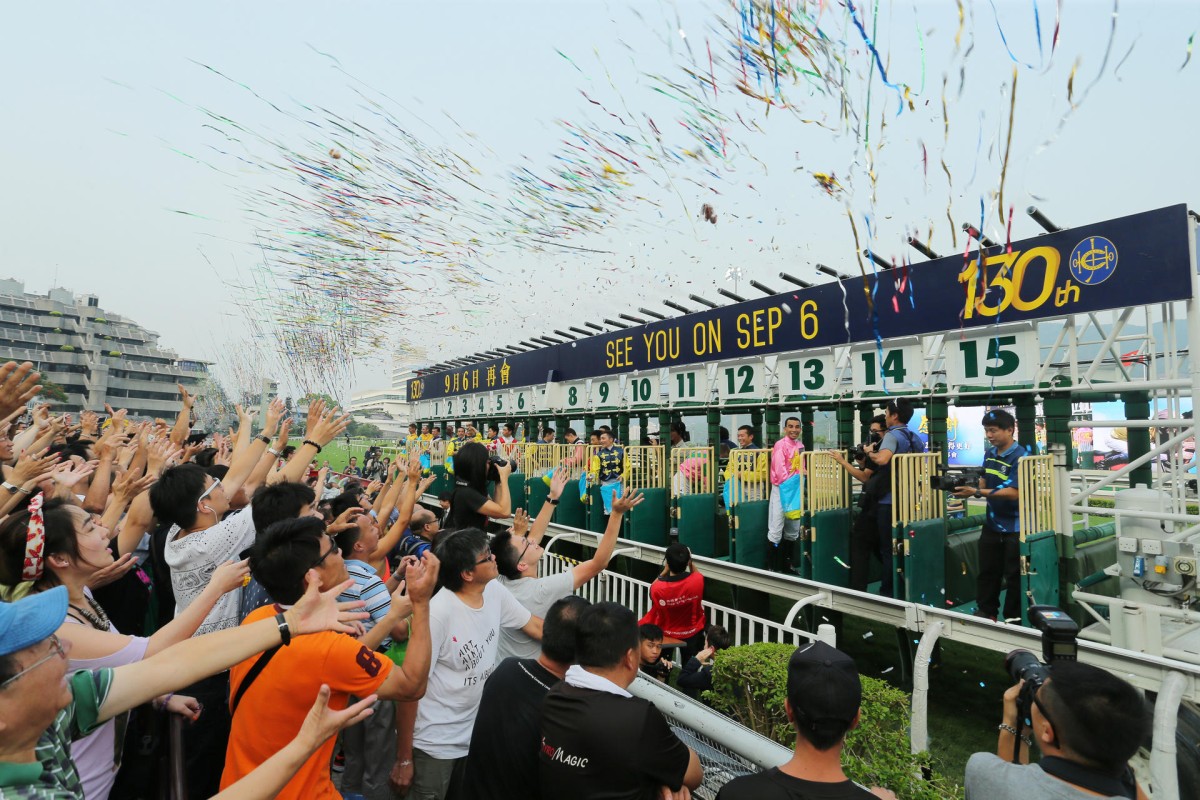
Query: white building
97, 357
386, 408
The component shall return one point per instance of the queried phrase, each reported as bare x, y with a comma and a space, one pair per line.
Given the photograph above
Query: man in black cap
823, 698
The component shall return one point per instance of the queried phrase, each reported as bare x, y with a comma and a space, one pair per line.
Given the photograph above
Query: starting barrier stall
747, 498
918, 528
641, 468
694, 498
825, 532
1038, 511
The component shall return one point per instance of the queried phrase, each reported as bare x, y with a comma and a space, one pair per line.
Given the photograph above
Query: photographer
864, 536
470, 507
898, 438
1000, 542
1087, 724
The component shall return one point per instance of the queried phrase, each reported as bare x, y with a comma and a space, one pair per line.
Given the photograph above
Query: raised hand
275, 411
327, 427
421, 578
161, 453
115, 570
185, 396
321, 722
320, 611
520, 525
89, 423
70, 473
18, 385
30, 465
130, 485
285, 428
345, 521
230, 575
622, 505
558, 482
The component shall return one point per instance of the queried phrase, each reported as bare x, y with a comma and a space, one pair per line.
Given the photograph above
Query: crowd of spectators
149, 570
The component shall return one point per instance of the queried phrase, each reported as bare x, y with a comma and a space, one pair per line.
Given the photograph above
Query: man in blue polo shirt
1000, 542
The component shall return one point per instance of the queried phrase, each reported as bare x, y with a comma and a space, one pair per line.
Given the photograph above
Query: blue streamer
1004, 38
878, 61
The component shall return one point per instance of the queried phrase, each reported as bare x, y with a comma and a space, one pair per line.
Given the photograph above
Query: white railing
635, 594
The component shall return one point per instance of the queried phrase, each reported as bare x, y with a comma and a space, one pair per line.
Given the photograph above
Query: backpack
879, 484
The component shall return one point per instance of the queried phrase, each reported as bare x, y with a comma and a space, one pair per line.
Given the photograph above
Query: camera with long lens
947, 481
859, 452
493, 473
1059, 643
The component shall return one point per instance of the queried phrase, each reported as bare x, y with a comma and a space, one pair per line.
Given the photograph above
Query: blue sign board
1136, 260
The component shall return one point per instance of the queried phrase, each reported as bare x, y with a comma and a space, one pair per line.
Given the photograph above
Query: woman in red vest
676, 602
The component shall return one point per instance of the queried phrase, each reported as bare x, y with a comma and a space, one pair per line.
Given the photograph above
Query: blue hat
32, 619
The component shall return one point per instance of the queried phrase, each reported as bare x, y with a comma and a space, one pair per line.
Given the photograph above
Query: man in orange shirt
270, 696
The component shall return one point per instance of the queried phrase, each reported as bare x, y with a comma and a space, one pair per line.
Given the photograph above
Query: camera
493, 474
1059, 634
859, 452
950, 481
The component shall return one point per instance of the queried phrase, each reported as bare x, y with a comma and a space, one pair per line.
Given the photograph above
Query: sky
161, 157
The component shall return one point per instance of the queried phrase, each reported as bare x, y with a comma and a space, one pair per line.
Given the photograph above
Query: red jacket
676, 605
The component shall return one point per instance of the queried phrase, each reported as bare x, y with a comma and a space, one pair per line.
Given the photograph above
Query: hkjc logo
1093, 260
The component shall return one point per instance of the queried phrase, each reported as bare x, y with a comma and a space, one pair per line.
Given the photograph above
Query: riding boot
774, 557
789, 551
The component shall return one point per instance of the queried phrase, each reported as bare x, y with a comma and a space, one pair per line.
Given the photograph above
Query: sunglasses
216, 482
56, 651
332, 548
489, 557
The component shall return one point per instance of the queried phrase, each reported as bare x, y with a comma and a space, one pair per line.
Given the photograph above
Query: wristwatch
264, 439
552, 501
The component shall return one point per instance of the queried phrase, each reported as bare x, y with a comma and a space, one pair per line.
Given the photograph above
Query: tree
51, 391
363, 430
309, 398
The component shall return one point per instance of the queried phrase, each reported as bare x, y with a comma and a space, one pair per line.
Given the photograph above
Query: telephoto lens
1024, 665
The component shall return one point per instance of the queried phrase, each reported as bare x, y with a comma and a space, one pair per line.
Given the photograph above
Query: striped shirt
372, 591
53, 776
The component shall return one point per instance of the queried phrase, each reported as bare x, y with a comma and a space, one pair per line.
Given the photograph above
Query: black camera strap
1106, 785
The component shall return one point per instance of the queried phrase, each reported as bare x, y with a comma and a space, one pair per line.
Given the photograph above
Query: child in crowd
653, 664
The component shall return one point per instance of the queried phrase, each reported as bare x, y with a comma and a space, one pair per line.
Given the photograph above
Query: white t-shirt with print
537, 595
465, 642
195, 557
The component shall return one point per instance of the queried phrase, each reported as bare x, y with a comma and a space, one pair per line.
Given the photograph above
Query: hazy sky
105, 144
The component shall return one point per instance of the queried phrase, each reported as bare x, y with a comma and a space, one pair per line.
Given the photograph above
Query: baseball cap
823, 685
31, 619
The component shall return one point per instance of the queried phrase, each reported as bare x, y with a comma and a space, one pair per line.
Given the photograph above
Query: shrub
750, 686
67, 348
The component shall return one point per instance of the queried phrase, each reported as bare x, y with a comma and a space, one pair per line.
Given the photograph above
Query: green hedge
750, 686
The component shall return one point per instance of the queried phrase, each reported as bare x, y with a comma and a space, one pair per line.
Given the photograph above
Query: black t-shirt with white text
503, 762
601, 746
776, 785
